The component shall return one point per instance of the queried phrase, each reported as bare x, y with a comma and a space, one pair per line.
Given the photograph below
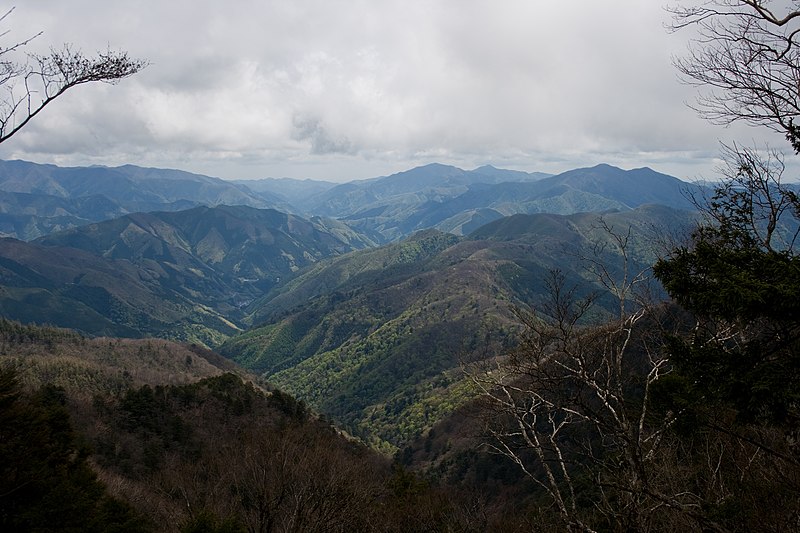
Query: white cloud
337, 89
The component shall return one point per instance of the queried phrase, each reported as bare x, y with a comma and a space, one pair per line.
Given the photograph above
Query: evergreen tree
45, 482
740, 277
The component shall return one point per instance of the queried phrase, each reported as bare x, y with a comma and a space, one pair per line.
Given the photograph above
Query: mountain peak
430, 167
605, 166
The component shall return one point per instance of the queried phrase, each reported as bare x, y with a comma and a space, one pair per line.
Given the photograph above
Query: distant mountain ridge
38, 199
29, 215
293, 191
129, 185
428, 182
458, 201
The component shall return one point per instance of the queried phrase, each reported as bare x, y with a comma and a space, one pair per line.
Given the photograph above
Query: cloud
333, 87
322, 142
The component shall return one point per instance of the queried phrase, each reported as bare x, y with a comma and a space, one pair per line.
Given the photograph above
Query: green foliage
296, 410
746, 349
14, 333
720, 276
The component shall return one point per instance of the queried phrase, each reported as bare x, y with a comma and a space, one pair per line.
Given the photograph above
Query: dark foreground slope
139, 435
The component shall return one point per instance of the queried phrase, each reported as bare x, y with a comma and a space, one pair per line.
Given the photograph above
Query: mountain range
435, 350
457, 201
376, 338
361, 298
36, 199
183, 275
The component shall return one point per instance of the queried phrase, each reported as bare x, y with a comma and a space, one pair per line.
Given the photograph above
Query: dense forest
84, 452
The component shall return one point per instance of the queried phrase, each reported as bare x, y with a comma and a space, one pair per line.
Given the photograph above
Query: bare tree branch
32, 82
573, 400
747, 61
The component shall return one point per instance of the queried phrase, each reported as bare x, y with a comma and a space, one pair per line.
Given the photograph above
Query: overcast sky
341, 90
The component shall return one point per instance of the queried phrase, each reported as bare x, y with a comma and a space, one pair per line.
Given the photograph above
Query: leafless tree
31, 82
752, 201
573, 402
746, 60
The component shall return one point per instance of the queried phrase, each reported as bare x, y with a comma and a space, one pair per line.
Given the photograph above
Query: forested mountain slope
375, 338
150, 436
457, 201
36, 200
183, 275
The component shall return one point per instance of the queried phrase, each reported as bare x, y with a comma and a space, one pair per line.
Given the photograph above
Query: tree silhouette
31, 82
